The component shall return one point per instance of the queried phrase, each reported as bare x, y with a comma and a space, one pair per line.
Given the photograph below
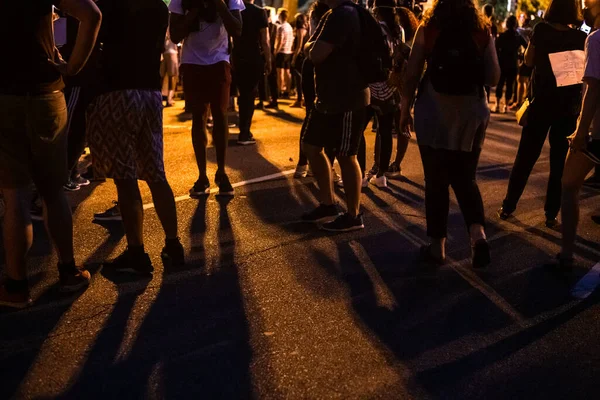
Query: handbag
523, 113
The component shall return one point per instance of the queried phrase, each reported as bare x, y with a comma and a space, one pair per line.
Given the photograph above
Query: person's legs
437, 198
321, 168
77, 103
559, 147
17, 232
351, 133
248, 76
463, 170
132, 211
362, 149
511, 78
287, 75
385, 139
200, 136
530, 148
352, 177
298, 76
500, 89
576, 169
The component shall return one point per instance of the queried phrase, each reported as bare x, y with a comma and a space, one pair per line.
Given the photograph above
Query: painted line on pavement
588, 284
260, 179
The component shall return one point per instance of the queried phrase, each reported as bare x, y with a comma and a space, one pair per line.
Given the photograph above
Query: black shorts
283, 61
341, 132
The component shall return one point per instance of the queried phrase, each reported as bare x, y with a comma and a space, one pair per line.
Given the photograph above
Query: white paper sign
568, 67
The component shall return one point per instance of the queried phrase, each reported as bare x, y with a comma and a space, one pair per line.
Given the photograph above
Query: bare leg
352, 176
220, 136
200, 137
576, 169
164, 202
59, 222
132, 211
18, 232
321, 168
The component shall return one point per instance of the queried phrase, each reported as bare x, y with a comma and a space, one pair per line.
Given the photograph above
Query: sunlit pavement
268, 307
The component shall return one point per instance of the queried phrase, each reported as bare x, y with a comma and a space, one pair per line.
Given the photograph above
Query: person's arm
492, 67
414, 72
90, 18
182, 25
300, 34
266, 49
232, 19
320, 51
334, 32
591, 101
278, 39
530, 55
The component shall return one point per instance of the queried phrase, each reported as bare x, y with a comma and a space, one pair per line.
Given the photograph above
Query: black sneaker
504, 214
14, 299
272, 106
173, 253
201, 188
80, 180
323, 213
481, 254
131, 263
225, 188
72, 278
259, 106
245, 140
71, 186
112, 214
345, 223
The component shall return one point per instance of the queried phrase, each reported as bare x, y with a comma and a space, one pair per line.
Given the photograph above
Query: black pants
530, 148
385, 126
78, 99
508, 77
444, 168
247, 78
273, 87
297, 74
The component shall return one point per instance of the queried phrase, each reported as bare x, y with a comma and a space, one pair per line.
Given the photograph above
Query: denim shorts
33, 141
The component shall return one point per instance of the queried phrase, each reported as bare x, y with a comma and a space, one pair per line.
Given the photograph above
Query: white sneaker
380, 182
301, 171
365, 183
504, 110
337, 179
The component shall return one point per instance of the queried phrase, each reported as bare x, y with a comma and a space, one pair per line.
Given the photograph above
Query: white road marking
177, 126
588, 284
235, 185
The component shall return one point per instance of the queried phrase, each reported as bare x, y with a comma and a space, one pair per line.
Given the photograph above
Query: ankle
136, 250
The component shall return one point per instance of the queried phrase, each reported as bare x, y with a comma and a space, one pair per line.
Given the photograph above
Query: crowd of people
346, 64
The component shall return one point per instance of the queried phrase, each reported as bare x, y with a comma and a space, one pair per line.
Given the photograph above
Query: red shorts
207, 84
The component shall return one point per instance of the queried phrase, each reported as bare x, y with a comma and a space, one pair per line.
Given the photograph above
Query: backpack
374, 58
455, 65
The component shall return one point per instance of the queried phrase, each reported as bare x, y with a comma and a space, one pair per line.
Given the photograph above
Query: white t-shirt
592, 70
210, 44
285, 34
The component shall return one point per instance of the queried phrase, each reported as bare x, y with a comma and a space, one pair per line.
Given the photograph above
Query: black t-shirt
546, 95
339, 84
26, 30
508, 45
247, 46
133, 37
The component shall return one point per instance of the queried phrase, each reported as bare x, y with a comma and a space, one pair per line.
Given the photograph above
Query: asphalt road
268, 307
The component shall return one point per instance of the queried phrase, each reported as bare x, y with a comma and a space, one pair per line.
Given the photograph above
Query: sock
14, 286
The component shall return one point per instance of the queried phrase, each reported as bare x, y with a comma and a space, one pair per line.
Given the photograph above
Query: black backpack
374, 58
456, 64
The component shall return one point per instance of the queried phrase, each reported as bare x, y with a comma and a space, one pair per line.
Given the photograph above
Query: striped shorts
125, 134
341, 132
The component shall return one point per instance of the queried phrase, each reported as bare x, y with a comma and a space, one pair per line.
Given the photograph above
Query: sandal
481, 254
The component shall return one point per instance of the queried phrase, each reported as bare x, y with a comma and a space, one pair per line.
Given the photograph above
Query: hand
577, 142
406, 124
61, 66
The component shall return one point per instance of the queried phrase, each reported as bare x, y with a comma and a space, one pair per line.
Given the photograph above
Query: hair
284, 14
566, 12
317, 10
488, 10
301, 21
512, 23
408, 21
448, 14
389, 16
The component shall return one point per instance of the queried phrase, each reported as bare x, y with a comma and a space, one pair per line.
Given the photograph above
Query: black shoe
272, 106
201, 188
504, 214
259, 106
551, 223
323, 213
173, 253
72, 278
131, 262
112, 214
426, 257
481, 254
71, 186
345, 223
246, 139
225, 188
